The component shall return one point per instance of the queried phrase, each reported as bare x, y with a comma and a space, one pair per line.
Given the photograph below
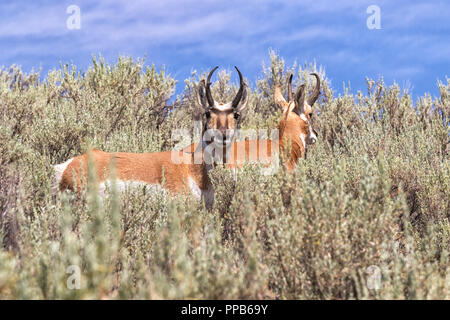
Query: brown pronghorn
152, 169
295, 131
295, 127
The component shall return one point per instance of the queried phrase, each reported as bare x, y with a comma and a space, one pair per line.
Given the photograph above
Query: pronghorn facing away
295, 131
153, 168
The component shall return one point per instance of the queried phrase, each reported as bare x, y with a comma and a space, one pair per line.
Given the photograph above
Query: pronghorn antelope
295, 131
153, 168
296, 127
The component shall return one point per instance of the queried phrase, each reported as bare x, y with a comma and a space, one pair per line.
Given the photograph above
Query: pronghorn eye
208, 114
236, 116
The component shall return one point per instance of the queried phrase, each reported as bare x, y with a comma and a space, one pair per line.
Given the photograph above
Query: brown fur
150, 168
290, 127
143, 167
154, 168
222, 120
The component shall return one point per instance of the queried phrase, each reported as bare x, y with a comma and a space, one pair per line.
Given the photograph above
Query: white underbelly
206, 194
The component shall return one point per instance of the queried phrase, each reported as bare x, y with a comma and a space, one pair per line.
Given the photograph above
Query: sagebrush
365, 216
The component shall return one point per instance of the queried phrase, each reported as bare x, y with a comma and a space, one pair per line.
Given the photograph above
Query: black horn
208, 88
316, 91
300, 96
238, 97
290, 97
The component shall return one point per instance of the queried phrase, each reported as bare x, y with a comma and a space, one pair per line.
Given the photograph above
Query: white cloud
332, 32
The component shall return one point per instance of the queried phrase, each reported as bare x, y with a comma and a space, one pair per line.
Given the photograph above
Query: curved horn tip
300, 89
290, 97
301, 94
208, 87
238, 96
316, 75
316, 91
240, 74
211, 73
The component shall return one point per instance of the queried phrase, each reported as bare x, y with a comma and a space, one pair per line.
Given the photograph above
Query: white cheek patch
302, 137
303, 117
311, 139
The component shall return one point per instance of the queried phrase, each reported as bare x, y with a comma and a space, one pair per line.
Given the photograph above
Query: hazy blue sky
412, 47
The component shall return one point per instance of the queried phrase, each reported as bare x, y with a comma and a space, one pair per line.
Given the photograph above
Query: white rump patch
59, 171
206, 194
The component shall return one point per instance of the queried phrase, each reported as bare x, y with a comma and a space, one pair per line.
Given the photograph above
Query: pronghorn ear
242, 104
201, 95
289, 84
279, 99
300, 100
202, 101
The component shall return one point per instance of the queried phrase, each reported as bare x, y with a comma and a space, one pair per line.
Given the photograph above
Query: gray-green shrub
374, 194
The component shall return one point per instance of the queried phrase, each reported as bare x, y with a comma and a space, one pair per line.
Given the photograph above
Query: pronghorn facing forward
295, 131
152, 169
